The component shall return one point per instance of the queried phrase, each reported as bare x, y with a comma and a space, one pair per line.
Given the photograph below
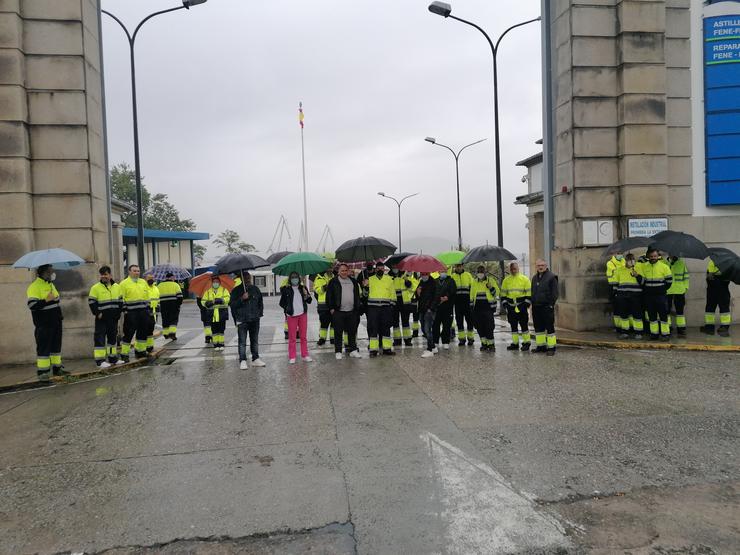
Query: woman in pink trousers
294, 298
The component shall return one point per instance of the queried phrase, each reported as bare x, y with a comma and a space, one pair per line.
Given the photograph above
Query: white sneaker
120, 361
308, 359
446, 346
105, 364
355, 354
243, 365
427, 354
291, 361
258, 362
338, 356
435, 350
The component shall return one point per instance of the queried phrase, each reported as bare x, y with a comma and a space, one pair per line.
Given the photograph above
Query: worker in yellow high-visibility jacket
43, 302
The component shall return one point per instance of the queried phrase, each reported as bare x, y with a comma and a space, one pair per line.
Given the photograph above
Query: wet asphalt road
467, 452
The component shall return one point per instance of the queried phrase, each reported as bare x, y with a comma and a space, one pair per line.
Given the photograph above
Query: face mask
424, 278
295, 281
216, 285
52, 277
619, 257
480, 276
134, 279
443, 275
394, 272
379, 273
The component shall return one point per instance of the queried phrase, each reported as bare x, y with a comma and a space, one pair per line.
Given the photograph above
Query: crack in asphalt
333, 527
168, 454
344, 473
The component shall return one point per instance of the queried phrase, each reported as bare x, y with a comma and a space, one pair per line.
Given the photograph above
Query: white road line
483, 512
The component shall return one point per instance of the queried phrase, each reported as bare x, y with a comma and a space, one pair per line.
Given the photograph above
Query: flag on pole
300, 114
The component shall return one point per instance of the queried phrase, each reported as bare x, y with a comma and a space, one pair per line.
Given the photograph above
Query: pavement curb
82, 376
638, 345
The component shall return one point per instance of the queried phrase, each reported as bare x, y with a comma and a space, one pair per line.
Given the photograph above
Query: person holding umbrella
629, 298
544, 297
718, 296
658, 280
343, 299
247, 308
427, 295
516, 297
105, 304
43, 302
216, 301
443, 317
463, 309
381, 295
170, 301
294, 300
482, 298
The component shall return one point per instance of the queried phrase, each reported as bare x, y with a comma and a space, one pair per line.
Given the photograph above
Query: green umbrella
450, 258
305, 263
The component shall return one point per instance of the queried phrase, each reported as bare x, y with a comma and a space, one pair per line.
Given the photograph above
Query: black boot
471, 341
396, 342
59, 371
389, 352
707, 328
408, 342
681, 332
321, 342
551, 352
526, 346
724, 331
513, 347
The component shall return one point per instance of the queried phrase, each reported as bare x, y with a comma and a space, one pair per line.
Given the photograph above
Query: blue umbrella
160, 272
58, 258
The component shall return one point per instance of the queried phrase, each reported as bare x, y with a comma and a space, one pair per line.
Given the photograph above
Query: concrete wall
52, 169
623, 140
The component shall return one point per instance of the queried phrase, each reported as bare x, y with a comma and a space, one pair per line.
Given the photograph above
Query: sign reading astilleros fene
722, 107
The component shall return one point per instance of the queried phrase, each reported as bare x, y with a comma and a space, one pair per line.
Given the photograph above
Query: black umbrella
234, 263
363, 249
677, 243
627, 244
276, 257
727, 262
394, 259
488, 253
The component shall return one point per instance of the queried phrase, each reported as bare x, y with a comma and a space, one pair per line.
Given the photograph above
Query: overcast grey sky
219, 87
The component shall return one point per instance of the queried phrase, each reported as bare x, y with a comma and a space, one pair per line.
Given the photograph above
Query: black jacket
246, 311
334, 294
447, 288
544, 288
286, 298
428, 295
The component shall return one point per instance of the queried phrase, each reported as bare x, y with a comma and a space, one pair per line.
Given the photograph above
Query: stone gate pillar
52, 169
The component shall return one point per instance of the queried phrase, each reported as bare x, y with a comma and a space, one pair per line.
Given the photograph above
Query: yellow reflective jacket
680, 273
516, 290
484, 290
134, 294
611, 267
105, 298
219, 309
43, 312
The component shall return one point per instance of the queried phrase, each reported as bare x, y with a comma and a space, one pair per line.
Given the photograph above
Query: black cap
168, 275
380, 264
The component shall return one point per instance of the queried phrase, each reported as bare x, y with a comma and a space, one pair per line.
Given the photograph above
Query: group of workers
137, 299
644, 291
399, 305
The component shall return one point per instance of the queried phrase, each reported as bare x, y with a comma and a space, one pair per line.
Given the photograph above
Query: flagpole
303, 163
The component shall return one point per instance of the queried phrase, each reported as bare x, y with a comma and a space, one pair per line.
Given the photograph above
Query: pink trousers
298, 323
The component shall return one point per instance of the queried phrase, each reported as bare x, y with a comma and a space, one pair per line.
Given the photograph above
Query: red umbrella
200, 284
421, 263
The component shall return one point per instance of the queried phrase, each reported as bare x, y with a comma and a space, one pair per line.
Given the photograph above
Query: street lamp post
186, 4
445, 10
433, 141
399, 203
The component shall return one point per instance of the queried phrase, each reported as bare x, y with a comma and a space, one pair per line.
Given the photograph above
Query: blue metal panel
722, 108
164, 235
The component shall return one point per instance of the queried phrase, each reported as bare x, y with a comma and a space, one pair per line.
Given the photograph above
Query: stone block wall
623, 140
52, 170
